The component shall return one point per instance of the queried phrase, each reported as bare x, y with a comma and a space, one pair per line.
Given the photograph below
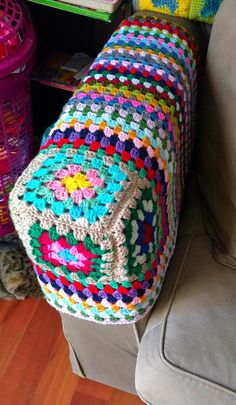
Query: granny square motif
98, 208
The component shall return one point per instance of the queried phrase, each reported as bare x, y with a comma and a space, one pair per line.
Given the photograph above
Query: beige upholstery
216, 138
104, 353
188, 352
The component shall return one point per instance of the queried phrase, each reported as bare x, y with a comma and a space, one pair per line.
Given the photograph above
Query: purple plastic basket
17, 45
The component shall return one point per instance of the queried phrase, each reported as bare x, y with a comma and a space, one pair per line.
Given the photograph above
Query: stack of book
104, 10
62, 70
108, 6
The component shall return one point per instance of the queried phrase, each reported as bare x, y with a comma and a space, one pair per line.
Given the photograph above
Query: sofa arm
98, 207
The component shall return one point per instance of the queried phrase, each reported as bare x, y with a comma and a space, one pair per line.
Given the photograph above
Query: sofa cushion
188, 352
216, 138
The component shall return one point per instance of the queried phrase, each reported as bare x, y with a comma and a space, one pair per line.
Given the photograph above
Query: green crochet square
204, 10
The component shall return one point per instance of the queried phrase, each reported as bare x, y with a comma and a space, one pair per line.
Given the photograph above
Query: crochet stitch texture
201, 10
98, 208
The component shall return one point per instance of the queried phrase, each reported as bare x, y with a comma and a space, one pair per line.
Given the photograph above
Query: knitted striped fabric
98, 208
200, 10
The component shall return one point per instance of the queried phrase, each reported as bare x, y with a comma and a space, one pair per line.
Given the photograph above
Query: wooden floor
34, 361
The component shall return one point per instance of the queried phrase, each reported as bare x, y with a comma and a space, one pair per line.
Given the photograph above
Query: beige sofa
184, 352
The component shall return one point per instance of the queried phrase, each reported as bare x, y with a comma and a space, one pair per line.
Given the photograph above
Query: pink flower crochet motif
72, 182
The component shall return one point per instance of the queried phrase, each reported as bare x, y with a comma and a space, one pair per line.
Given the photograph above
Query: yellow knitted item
200, 10
182, 9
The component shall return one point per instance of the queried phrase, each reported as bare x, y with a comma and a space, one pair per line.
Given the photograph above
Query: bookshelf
61, 34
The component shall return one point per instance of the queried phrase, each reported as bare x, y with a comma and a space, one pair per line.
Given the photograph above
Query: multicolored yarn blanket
200, 10
98, 208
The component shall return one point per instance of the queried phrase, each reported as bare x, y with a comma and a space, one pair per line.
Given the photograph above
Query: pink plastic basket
17, 37
17, 45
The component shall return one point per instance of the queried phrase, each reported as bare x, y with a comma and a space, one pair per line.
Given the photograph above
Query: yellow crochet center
75, 182
181, 11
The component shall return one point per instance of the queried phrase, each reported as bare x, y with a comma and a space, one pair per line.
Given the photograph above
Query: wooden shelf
50, 73
99, 15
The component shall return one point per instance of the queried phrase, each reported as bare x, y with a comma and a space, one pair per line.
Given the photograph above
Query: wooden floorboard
34, 361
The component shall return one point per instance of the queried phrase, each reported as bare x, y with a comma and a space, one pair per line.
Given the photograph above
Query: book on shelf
62, 70
108, 6
78, 61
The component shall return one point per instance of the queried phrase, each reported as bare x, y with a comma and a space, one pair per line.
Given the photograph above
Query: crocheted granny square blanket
200, 10
98, 208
